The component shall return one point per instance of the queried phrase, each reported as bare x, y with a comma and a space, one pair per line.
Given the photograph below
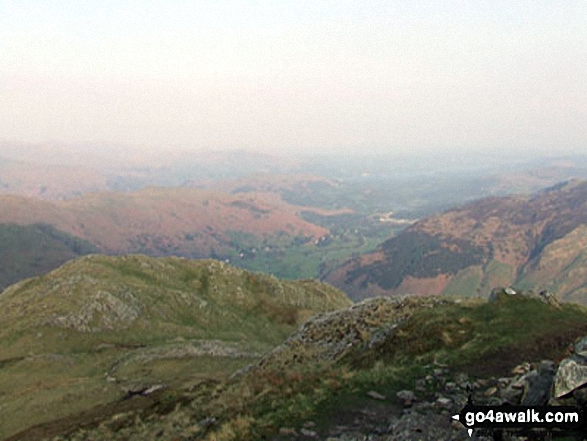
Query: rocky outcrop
570, 381
426, 409
544, 296
328, 336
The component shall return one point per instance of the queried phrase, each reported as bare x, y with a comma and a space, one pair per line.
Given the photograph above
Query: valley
194, 310
293, 218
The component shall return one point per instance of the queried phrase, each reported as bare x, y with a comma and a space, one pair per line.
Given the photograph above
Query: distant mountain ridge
49, 181
57, 172
535, 242
190, 222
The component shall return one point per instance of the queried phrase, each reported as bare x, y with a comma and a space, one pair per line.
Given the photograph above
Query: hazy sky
299, 75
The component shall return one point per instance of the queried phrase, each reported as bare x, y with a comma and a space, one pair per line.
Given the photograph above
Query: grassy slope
307, 379
99, 326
